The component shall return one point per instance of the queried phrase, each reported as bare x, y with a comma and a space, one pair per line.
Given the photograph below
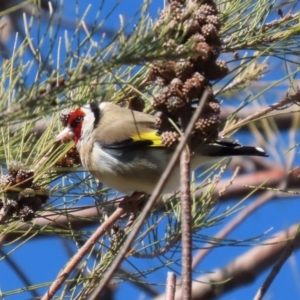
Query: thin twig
170, 242
264, 198
134, 279
150, 203
287, 252
222, 192
288, 100
14, 266
76, 259
238, 188
170, 286
144, 287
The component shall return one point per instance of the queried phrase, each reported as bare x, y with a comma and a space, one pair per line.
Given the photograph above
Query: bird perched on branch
124, 149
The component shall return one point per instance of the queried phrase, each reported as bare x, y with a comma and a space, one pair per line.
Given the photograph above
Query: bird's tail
241, 151
227, 148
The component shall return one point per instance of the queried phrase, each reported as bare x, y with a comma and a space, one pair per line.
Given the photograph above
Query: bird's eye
79, 119
76, 121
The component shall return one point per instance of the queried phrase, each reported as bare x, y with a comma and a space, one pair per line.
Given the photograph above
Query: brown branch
241, 271
84, 217
56, 219
186, 209
186, 226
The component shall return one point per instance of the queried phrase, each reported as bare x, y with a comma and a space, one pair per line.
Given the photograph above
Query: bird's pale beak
65, 135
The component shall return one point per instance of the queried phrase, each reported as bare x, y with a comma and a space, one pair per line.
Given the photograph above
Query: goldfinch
123, 148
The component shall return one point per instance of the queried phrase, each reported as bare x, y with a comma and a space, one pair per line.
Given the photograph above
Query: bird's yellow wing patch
152, 136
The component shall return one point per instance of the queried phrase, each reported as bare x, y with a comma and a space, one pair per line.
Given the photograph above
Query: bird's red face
75, 122
73, 128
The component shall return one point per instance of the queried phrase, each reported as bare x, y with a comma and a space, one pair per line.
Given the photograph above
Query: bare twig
186, 211
170, 242
171, 286
142, 286
275, 23
186, 226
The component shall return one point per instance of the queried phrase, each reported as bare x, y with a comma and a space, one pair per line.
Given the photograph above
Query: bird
123, 149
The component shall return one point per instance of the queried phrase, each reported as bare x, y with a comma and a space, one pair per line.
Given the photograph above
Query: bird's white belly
124, 176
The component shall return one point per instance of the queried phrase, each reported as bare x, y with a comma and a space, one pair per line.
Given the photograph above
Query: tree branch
241, 271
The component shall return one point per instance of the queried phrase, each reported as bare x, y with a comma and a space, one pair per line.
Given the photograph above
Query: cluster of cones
21, 196
188, 25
